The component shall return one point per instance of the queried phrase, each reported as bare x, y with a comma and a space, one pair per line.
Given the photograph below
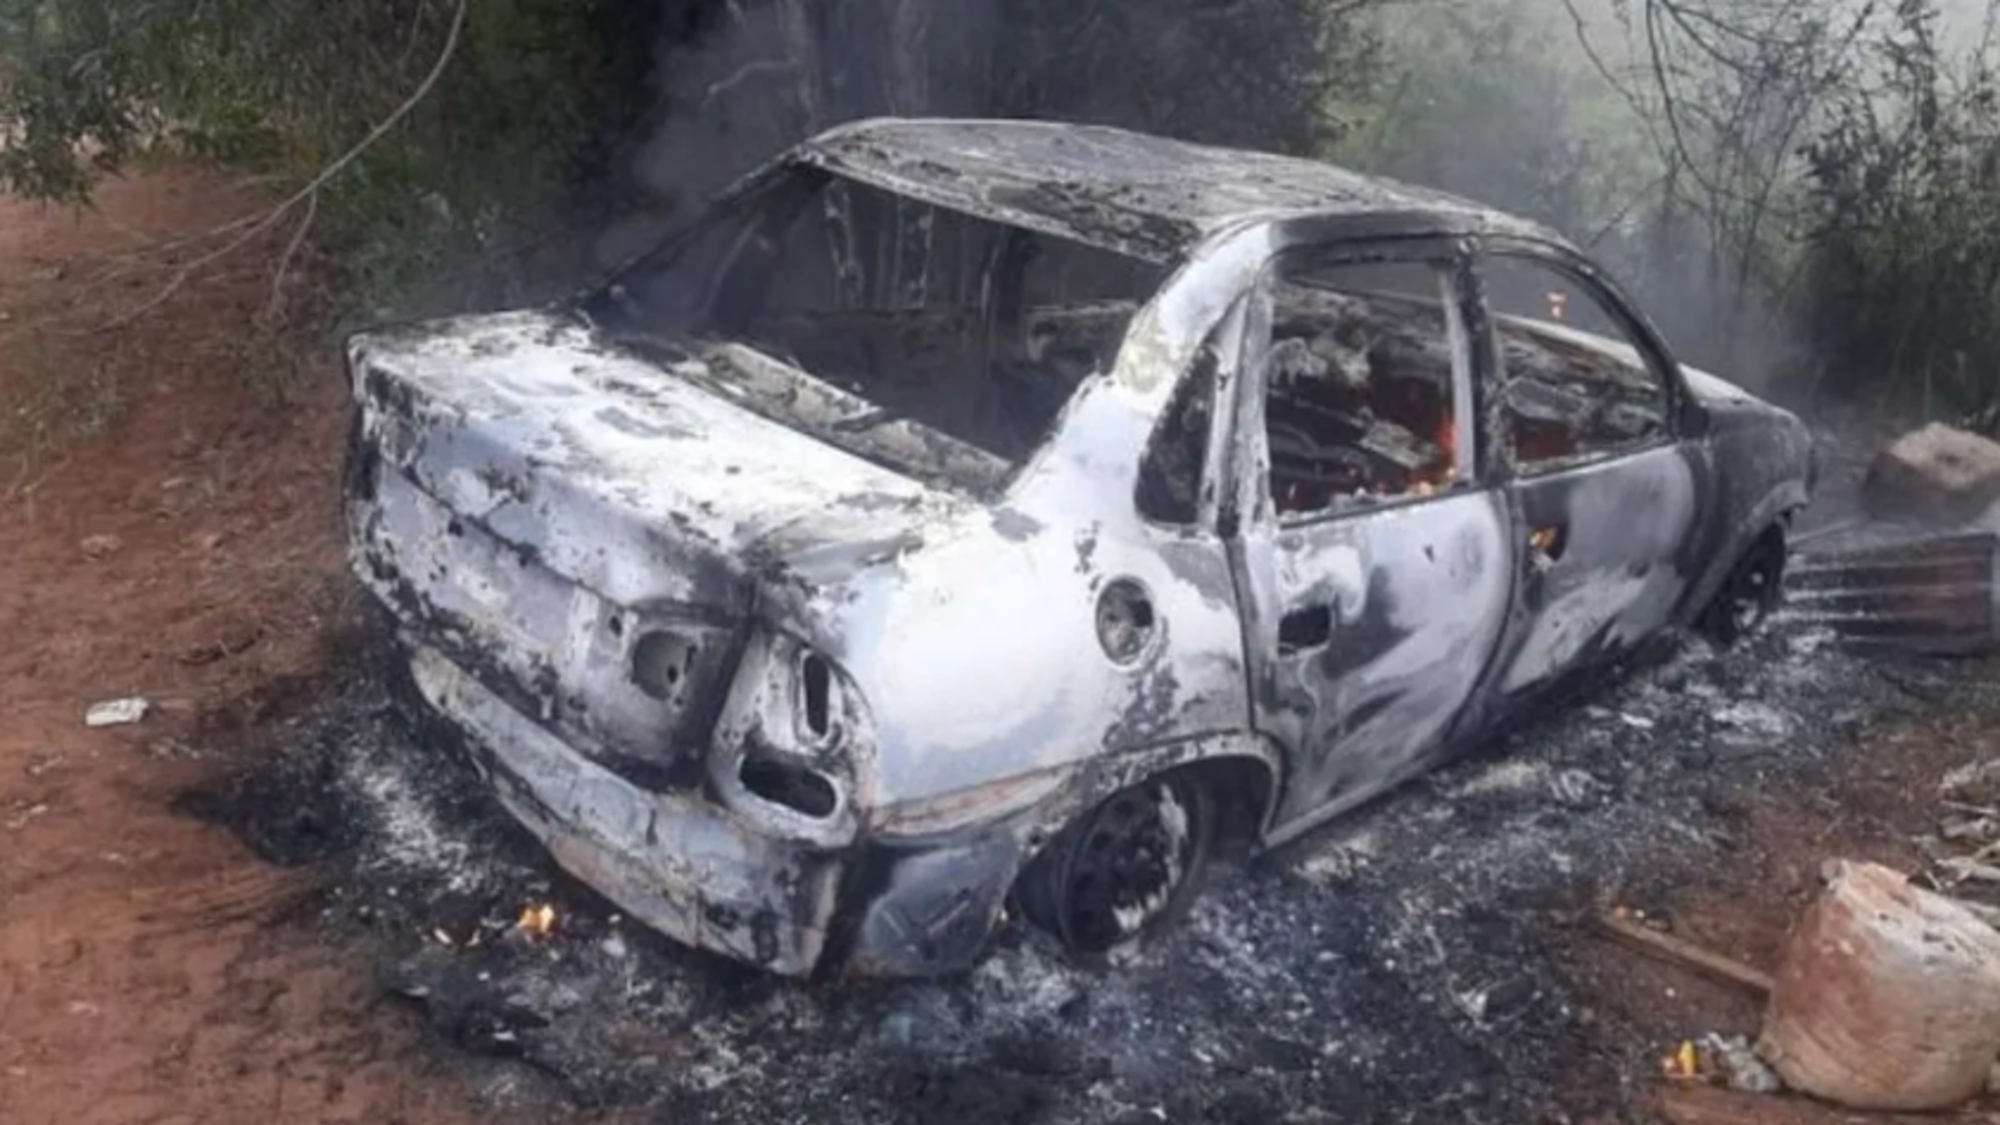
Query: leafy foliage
768, 73
530, 109
1903, 265
1755, 168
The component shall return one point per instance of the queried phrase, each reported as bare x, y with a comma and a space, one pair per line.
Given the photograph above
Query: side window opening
1170, 478
1574, 385
1361, 385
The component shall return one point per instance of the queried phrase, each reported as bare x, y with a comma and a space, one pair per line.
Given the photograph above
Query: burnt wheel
1126, 868
1751, 593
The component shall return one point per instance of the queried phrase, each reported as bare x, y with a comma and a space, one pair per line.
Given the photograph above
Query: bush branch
309, 192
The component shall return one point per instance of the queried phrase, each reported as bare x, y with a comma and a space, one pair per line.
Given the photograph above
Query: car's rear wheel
1751, 593
1126, 869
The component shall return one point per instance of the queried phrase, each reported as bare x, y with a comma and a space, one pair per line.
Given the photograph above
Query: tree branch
310, 192
285, 263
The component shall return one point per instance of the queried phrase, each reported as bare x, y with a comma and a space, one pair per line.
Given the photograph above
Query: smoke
767, 75
1529, 105
763, 74
1540, 107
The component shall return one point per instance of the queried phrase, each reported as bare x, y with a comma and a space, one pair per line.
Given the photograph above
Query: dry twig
285, 263
1685, 954
251, 228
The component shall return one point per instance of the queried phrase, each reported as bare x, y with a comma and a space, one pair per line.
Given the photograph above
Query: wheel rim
1131, 861
1754, 592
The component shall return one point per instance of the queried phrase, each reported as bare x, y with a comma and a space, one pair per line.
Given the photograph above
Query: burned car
965, 517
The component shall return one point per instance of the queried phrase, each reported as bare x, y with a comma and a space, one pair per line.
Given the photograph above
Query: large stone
1888, 998
1936, 475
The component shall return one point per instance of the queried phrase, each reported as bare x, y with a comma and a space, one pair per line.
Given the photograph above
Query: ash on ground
1402, 965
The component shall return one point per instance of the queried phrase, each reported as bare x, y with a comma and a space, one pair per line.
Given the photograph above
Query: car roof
1146, 195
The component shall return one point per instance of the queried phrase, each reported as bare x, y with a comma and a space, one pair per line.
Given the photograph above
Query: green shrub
516, 135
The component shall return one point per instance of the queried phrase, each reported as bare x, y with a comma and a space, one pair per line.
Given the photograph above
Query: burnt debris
1404, 967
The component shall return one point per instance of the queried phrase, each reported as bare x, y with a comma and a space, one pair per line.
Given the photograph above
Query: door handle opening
1304, 629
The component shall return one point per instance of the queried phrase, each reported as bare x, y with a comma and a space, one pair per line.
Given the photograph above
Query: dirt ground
170, 533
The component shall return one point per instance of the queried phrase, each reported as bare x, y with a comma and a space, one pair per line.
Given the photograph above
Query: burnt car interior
1565, 400
1360, 405
974, 329
1359, 392
982, 332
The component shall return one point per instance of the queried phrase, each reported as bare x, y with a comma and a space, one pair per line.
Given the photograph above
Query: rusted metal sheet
806, 674
1937, 596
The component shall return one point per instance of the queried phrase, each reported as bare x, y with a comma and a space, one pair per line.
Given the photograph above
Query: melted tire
1750, 595
1124, 871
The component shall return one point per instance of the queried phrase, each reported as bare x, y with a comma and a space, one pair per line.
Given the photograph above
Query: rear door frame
1246, 503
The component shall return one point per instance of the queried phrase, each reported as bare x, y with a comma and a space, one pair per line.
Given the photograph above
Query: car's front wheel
1751, 593
1125, 869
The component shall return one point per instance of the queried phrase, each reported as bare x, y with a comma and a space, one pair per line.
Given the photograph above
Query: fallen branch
310, 192
1685, 954
743, 74
285, 263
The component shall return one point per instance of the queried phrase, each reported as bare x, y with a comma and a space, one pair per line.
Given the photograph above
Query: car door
1373, 562
1604, 497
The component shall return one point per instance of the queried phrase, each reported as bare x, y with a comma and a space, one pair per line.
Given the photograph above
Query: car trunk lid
536, 502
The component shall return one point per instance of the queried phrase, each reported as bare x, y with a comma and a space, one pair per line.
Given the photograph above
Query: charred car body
972, 513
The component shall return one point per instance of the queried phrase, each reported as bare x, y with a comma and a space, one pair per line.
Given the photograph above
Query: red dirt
185, 552
1889, 796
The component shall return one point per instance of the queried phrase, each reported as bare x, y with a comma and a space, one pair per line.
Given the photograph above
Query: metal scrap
116, 712
1933, 596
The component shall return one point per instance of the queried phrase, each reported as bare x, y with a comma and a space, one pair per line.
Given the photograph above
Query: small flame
538, 921
1684, 1064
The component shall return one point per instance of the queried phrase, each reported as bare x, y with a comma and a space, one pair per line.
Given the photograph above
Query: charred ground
1425, 959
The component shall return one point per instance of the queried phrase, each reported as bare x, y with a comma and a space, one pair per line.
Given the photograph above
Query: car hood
1708, 389
1713, 390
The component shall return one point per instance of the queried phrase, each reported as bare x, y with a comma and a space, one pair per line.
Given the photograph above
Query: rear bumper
671, 860
690, 869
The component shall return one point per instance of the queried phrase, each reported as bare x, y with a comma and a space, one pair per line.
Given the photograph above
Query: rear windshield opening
928, 317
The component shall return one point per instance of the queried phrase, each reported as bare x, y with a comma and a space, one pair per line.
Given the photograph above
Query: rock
1888, 997
1936, 474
